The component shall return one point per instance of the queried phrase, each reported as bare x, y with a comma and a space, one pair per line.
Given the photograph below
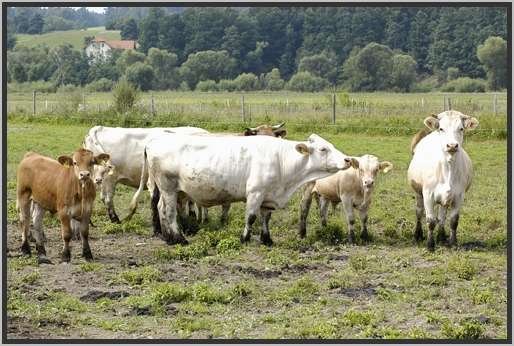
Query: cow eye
461, 129
441, 129
74, 163
323, 149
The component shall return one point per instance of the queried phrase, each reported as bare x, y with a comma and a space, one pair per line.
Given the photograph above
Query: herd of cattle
188, 169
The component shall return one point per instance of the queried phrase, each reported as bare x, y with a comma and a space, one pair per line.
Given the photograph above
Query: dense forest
302, 48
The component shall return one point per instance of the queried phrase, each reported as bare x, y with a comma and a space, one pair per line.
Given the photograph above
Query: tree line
299, 48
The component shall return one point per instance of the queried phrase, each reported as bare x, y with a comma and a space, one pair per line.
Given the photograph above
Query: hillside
74, 37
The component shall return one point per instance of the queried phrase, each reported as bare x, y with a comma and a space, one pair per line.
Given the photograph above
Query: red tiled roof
118, 44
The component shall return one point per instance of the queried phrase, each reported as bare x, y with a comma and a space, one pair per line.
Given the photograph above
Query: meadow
317, 287
73, 37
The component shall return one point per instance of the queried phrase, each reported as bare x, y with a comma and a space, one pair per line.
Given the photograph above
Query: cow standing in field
353, 187
63, 187
440, 172
264, 172
125, 145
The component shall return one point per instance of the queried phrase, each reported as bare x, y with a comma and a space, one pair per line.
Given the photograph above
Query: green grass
318, 287
73, 37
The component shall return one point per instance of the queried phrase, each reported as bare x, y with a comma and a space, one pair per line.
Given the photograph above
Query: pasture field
361, 110
318, 287
73, 37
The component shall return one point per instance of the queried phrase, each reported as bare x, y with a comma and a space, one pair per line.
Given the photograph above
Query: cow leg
253, 205
75, 229
441, 235
431, 220
418, 232
334, 207
24, 215
363, 215
156, 200
107, 194
350, 218
265, 234
454, 221
84, 235
173, 234
66, 236
224, 213
323, 210
37, 219
304, 209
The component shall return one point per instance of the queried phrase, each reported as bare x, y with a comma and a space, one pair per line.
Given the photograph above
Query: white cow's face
323, 154
368, 167
450, 127
102, 170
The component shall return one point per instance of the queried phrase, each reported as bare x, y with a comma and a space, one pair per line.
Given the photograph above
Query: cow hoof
177, 240
302, 232
114, 218
88, 256
245, 238
266, 240
43, 260
25, 249
441, 237
66, 256
431, 244
452, 242
365, 236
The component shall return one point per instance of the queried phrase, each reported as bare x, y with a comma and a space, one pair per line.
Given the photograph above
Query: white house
100, 48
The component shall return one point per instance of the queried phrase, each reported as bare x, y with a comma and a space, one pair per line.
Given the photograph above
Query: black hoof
66, 256
365, 236
86, 253
245, 238
452, 242
431, 244
114, 218
172, 240
302, 232
43, 260
266, 240
25, 249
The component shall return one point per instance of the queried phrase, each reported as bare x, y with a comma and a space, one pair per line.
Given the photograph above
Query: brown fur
418, 137
56, 188
264, 130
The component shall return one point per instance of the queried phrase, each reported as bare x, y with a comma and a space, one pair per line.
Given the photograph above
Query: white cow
440, 172
125, 146
353, 187
263, 171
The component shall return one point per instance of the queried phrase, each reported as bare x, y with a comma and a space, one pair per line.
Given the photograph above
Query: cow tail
144, 177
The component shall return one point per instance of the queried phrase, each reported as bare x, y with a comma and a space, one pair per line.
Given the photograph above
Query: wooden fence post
84, 101
495, 104
34, 102
333, 108
242, 108
152, 106
444, 103
449, 104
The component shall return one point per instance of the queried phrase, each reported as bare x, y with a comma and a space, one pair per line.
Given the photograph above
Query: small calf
64, 187
353, 187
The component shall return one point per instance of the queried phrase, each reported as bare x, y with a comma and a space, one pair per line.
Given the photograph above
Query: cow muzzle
452, 148
83, 175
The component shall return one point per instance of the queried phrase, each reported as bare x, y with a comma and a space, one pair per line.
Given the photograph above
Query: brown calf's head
266, 130
368, 167
82, 161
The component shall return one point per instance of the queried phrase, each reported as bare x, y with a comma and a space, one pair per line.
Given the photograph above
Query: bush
304, 81
246, 82
465, 85
141, 75
226, 85
103, 84
207, 85
273, 81
39, 86
125, 95
426, 85
452, 73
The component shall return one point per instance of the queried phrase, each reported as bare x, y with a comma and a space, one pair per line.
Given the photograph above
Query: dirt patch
93, 296
355, 292
258, 273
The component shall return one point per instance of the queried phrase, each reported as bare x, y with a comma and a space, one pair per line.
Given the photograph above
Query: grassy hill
74, 37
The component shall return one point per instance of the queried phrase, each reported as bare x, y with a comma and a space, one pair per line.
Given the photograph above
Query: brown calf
63, 187
266, 130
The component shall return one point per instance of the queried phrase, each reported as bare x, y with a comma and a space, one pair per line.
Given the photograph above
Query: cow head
100, 171
450, 127
368, 167
323, 154
82, 161
266, 130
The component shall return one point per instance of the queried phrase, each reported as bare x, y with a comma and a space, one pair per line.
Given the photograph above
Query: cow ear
432, 123
65, 160
280, 133
354, 163
302, 149
385, 166
101, 157
470, 123
249, 132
